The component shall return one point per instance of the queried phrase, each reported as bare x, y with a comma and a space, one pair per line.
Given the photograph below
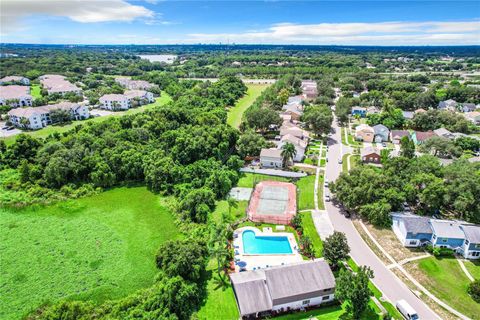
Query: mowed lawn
45, 132
235, 113
35, 91
100, 247
446, 280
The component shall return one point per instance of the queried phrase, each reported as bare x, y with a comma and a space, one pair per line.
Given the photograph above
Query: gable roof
447, 229
422, 136
271, 153
296, 141
364, 127
400, 133
415, 224
14, 92
472, 233
442, 132
380, 128
260, 290
369, 150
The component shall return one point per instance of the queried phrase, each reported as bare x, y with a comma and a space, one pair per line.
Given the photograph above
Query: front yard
444, 278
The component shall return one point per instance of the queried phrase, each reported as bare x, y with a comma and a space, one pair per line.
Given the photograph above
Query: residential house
15, 80
362, 112
131, 98
381, 133
271, 158
468, 107
364, 132
397, 135
134, 84
282, 288
420, 137
411, 230
444, 133
450, 105
38, 117
370, 155
309, 89
294, 110
473, 117
294, 131
373, 110
15, 96
447, 234
300, 146
471, 245
114, 102
421, 110
58, 84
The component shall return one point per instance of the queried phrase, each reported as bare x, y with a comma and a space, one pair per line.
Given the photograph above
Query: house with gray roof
449, 104
271, 158
447, 234
278, 289
444, 133
381, 133
411, 230
471, 246
468, 107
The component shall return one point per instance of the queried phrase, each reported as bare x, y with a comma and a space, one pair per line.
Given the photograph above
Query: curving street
385, 280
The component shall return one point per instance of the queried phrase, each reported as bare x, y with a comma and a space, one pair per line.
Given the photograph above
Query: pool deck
262, 261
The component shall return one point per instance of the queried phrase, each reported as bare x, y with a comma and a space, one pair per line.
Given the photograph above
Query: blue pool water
264, 245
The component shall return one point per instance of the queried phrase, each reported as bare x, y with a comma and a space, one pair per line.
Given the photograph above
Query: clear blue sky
285, 22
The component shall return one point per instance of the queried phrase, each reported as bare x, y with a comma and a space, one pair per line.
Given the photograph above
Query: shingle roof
28, 112
113, 97
380, 128
441, 132
259, 290
447, 229
296, 141
422, 136
472, 233
14, 92
369, 150
271, 153
417, 224
400, 133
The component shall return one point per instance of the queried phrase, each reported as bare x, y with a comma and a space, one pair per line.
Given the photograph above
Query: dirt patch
370, 243
389, 242
444, 314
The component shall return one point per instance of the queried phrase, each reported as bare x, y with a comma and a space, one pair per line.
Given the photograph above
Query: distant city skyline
241, 22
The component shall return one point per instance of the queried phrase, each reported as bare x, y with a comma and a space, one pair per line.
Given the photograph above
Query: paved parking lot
8, 133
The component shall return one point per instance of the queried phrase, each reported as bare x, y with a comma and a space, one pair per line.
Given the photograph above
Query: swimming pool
253, 244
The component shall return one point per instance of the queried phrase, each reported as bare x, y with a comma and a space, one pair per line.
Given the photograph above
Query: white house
282, 288
271, 158
471, 246
15, 80
114, 102
143, 96
39, 117
134, 84
55, 83
15, 96
473, 117
300, 146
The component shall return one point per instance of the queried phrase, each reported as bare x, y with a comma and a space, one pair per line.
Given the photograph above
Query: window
304, 302
444, 240
477, 246
413, 242
434, 237
325, 298
466, 242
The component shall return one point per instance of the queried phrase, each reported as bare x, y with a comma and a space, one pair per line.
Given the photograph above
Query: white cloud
378, 33
84, 11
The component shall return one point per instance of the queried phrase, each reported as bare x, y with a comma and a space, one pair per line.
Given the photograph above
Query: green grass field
247, 179
305, 192
100, 247
310, 231
445, 279
235, 213
45, 132
35, 91
474, 268
235, 113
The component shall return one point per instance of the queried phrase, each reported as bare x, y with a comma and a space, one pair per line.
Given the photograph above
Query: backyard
235, 113
45, 132
100, 247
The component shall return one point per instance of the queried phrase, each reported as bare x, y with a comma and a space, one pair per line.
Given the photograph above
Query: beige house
55, 83
364, 132
15, 96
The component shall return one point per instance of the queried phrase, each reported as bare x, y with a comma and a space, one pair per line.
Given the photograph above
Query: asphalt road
391, 286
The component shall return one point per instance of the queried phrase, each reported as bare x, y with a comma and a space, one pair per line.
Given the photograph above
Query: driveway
391, 286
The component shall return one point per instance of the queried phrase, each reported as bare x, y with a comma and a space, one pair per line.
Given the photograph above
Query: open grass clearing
45, 132
220, 302
305, 190
444, 278
235, 213
35, 91
310, 231
95, 248
235, 113
473, 267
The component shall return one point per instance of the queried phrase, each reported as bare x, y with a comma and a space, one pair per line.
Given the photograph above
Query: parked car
384, 144
406, 310
327, 198
325, 183
340, 161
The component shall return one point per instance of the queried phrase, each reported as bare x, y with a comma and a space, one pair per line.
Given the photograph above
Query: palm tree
232, 203
288, 153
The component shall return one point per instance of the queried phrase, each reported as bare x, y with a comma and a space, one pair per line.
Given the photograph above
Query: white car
406, 310
327, 198
326, 183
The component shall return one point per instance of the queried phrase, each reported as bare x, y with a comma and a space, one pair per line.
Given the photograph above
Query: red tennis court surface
273, 202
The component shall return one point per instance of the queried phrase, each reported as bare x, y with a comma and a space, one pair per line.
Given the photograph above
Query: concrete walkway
412, 279
465, 270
